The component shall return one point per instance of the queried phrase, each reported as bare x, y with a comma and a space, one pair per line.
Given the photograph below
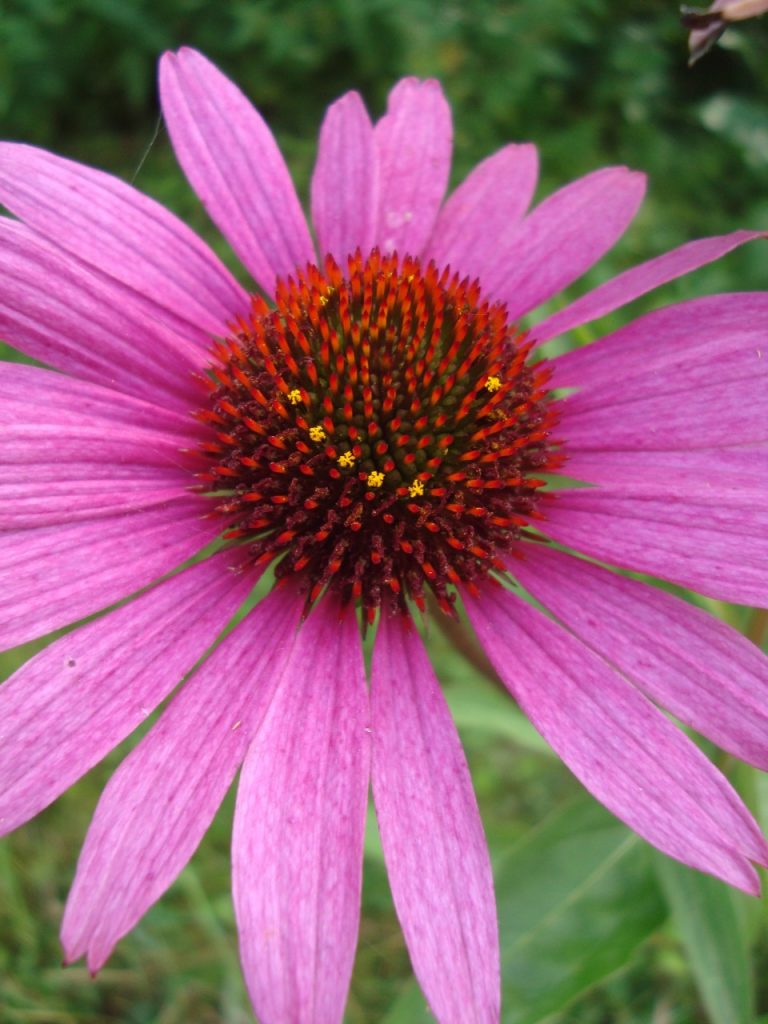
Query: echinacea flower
374, 424
707, 25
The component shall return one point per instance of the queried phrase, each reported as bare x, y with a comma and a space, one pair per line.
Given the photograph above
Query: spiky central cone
378, 431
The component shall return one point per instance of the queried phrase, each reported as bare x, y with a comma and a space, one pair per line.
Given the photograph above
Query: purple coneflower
376, 427
707, 25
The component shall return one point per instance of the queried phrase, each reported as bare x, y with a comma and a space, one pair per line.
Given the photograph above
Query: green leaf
410, 1008
576, 897
709, 919
481, 706
372, 840
475, 695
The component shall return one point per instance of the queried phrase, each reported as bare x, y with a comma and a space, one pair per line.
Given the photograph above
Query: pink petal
72, 450
30, 501
233, 163
68, 706
434, 847
68, 401
674, 473
563, 237
703, 386
414, 141
625, 751
125, 235
497, 192
91, 440
679, 338
56, 310
711, 542
640, 279
345, 181
298, 831
161, 800
54, 575
701, 670
697, 410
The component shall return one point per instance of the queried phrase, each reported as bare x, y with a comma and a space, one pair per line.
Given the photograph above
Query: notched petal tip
762, 860
190, 53
167, 62
181, 60
408, 82
411, 89
630, 177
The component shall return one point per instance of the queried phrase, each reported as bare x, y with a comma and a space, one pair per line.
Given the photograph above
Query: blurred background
596, 928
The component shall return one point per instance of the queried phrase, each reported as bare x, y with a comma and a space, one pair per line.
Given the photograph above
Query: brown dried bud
708, 25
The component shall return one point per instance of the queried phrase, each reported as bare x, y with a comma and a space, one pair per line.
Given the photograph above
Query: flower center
378, 431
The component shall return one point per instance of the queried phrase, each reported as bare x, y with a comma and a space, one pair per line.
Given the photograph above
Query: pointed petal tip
749, 881
351, 98
72, 950
95, 960
639, 176
76, 945
734, 869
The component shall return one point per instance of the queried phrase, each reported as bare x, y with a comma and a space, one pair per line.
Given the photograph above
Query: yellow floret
294, 396
493, 384
416, 489
346, 460
375, 479
317, 434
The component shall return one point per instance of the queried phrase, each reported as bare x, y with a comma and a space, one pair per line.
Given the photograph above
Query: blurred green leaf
372, 847
741, 121
479, 705
475, 695
410, 1008
708, 918
576, 897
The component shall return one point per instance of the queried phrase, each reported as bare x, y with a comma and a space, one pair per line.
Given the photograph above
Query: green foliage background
596, 928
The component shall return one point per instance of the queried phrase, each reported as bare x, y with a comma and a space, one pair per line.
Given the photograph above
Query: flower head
401, 369
376, 422
707, 25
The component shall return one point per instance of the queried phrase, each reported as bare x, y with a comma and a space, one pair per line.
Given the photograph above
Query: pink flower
377, 431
